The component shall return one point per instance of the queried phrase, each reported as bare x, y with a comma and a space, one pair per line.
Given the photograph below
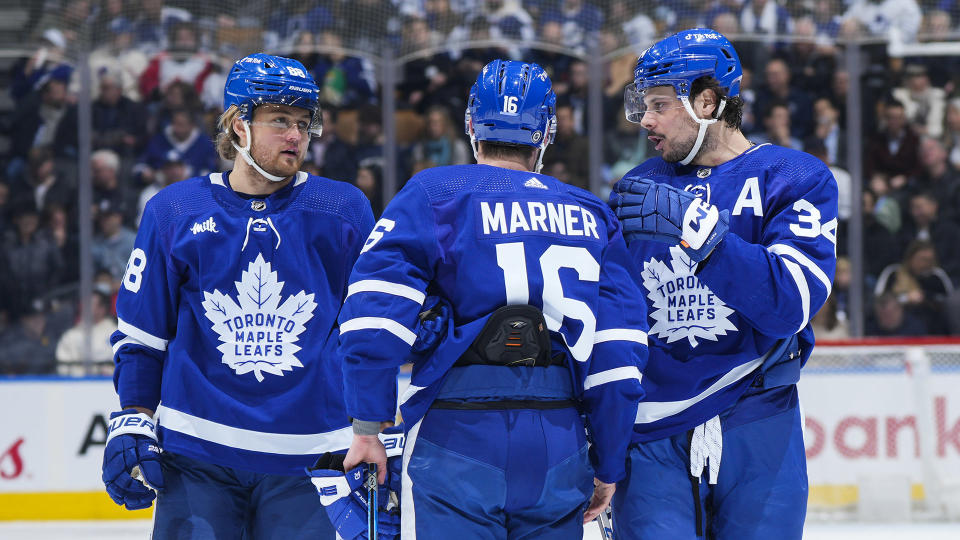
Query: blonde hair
226, 136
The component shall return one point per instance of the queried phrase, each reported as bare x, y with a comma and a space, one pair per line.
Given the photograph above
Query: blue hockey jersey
484, 237
748, 308
227, 319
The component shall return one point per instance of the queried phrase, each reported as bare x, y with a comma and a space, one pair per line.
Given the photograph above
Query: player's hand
131, 460
367, 449
651, 211
602, 493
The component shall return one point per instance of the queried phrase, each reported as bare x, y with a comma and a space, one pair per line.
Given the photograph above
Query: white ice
137, 530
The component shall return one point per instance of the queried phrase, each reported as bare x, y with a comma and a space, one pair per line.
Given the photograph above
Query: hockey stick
606, 529
371, 483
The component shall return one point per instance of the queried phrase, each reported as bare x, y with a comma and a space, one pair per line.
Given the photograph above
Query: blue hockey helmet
262, 78
512, 102
679, 60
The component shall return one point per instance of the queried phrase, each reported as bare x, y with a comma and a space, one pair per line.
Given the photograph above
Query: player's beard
682, 146
276, 162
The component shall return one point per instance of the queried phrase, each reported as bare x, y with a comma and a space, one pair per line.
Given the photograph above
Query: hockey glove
131, 460
432, 324
651, 211
344, 494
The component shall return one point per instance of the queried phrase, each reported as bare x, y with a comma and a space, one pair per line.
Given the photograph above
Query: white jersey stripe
651, 411
125, 341
803, 289
620, 334
408, 518
611, 375
139, 335
800, 257
379, 323
254, 441
396, 289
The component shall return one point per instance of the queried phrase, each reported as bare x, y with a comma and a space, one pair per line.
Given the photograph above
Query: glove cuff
131, 422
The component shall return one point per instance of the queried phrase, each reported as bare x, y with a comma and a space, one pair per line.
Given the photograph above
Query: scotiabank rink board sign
862, 424
52, 435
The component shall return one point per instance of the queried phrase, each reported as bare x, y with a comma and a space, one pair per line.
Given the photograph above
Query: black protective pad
513, 336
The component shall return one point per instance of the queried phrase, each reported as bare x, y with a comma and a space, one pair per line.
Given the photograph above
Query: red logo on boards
11, 464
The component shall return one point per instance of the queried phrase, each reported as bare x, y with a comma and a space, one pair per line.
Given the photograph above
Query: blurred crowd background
108, 101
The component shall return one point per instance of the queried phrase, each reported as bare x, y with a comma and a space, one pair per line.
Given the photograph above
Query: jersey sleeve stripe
620, 334
803, 288
611, 375
142, 337
651, 411
125, 341
800, 257
396, 289
255, 441
379, 323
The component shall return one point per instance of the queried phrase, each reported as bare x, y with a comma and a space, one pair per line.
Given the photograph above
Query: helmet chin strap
245, 152
703, 122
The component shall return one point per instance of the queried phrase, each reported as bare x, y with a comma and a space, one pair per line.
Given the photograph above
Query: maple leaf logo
683, 307
259, 334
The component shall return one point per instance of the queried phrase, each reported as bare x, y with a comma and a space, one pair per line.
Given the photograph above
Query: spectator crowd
158, 68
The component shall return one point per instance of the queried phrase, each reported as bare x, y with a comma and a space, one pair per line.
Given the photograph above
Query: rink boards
859, 425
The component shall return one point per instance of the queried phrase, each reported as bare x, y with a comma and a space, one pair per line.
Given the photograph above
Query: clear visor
637, 103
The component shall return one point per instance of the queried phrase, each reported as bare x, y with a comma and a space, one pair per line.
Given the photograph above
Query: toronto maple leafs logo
259, 334
683, 307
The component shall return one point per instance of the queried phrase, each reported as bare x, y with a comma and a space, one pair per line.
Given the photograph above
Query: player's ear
705, 104
237, 126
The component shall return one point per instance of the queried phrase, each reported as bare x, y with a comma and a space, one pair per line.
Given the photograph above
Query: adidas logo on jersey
207, 226
534, 183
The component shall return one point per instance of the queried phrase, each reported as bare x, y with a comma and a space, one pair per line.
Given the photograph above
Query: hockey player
735, 244
542, 323
226, 349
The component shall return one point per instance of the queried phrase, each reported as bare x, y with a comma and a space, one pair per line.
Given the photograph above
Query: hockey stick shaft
372, 506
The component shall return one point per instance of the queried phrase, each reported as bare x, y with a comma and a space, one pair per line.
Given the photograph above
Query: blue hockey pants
761, 492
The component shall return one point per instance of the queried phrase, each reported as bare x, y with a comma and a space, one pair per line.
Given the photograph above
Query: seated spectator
826, 18
154, 24
926, 224
886, 206
938, 177
71, 359
370, 182
777, 87
890, 319
923, 104
883, 246
47, 62
172, 171
425, 80
28, 347
570, 149
440, 145
919, 284
764, 17
119, 123
556, 64
113, 242
893, 150
33, 261
62, 231
105, 175
776, 127
827, 323
878, 19
35, 122
181, 61
177, 96
812, 60
580, 20
42, 183
345, 81
827, 131
183, 141
444, 22
951, 132
118, 57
